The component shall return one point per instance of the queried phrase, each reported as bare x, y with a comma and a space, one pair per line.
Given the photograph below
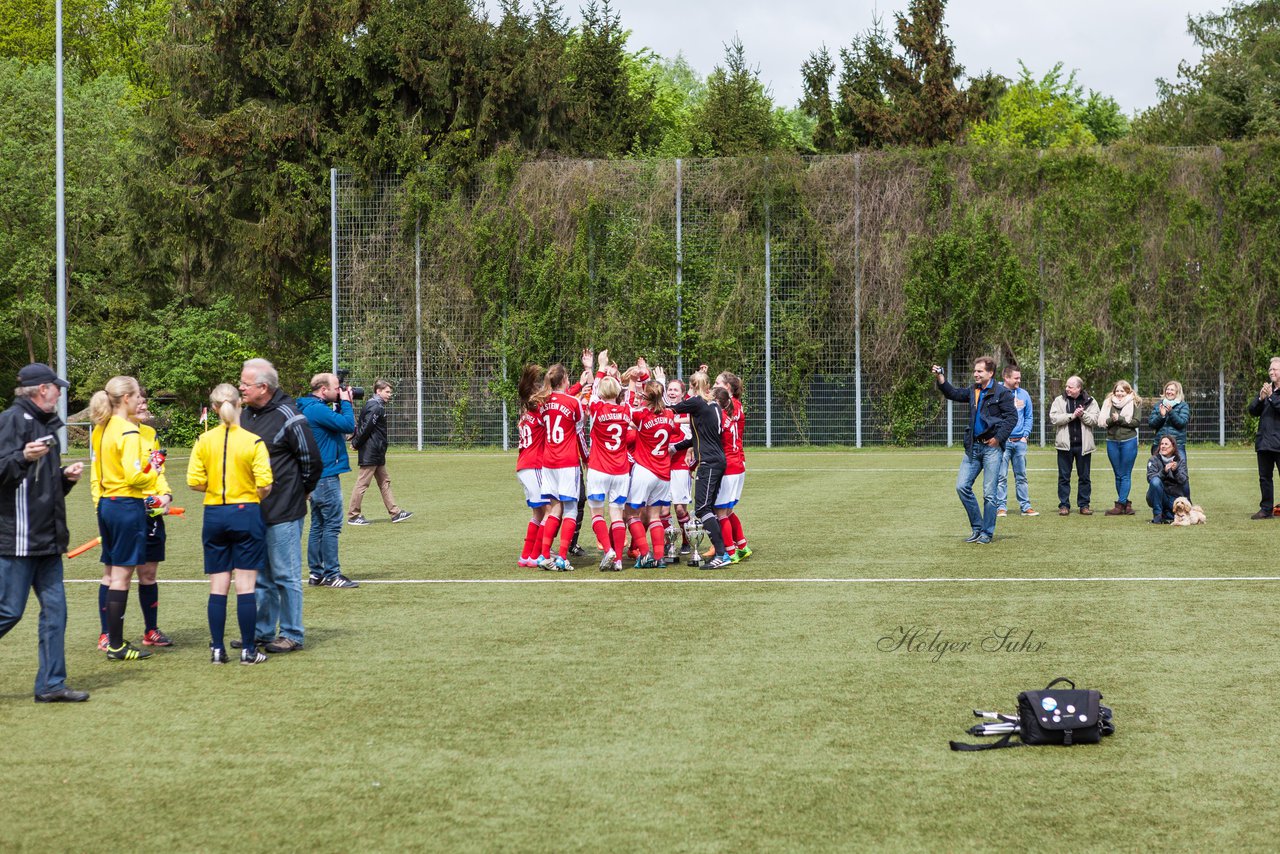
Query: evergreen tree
816, 101
736, 115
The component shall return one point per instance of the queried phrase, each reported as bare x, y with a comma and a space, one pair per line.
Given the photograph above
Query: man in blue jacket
1015, 450
329, 412
992, 417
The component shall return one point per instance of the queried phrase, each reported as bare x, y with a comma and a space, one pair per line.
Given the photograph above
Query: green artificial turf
585, 712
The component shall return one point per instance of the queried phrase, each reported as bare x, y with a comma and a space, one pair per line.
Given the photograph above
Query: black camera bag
1065, 716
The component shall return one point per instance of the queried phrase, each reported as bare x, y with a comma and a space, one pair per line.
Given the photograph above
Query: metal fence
405, 306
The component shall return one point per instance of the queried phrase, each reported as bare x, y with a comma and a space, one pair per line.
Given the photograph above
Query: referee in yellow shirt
231, 467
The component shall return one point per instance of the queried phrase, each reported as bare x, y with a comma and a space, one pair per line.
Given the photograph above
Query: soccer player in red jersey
529, 463
651, 475
608, 471
681, 480
561, 414
735, 470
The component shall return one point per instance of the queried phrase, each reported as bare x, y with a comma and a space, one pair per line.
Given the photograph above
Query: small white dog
1185, 513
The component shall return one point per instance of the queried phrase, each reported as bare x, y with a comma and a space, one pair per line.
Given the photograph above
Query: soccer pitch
457, 702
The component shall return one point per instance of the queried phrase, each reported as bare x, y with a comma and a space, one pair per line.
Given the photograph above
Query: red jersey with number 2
735, 460
560, 416
532, 438
655, 431
609, 425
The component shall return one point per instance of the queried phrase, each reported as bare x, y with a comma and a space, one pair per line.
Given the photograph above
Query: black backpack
1066, 716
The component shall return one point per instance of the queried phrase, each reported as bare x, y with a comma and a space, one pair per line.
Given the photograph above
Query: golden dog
1185, 513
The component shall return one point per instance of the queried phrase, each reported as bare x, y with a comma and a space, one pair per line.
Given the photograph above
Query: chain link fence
788, 272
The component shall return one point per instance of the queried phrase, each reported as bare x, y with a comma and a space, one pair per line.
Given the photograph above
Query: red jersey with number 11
735, 461
560, 416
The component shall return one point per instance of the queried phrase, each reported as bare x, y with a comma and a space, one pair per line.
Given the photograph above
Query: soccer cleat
314, 580
563, 565
252, 655
606, 562
577, 550
617, 566
718, 562
218, 655
745, 551
644, 562
359, 520
126, 652
103, 640
155, 637
661, 563
338, 580
736, 557
684, 549
401, 516
546, 563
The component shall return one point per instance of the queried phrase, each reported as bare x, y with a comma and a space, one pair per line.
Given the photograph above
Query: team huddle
652, 447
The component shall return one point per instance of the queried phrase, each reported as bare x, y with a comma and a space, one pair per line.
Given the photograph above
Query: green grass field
748, 709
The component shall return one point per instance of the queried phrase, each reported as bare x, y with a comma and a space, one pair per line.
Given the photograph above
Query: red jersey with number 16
532, 438
655, 431
735, 460
560, 416
609, 425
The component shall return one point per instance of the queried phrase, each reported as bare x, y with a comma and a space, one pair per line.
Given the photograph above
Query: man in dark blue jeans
33, 523
331, 426
992, 417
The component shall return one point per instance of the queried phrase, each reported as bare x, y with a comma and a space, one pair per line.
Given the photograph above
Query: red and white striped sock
618, 532
739, 538
532, 539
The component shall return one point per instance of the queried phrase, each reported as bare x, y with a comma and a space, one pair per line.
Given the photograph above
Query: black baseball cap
38, 373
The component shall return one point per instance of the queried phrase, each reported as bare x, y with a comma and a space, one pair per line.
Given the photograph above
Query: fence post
417, 325
1040, 264
1222, 406
857, 301
679, 270
950, 405
768, 320
333, 268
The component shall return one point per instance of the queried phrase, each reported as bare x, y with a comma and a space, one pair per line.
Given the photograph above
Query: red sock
602, 531
567, 527
619, 533
550, 526
682, 519
725, 531
658, 534
638, 539
739, 538
532, 539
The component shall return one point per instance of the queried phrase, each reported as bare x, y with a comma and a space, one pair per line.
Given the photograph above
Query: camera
48, 441
357, 393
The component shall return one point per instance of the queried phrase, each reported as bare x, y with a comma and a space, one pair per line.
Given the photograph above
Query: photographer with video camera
328, 410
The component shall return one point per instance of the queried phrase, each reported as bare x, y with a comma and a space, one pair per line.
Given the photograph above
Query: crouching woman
1166, 480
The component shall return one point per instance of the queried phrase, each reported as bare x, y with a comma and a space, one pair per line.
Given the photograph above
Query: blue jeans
1160, 502
1122, 456
326, 524
279, 584
18, 575
1015, 454
984, 459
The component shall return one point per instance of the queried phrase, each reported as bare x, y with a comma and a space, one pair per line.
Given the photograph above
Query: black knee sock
116, 602
102, 606
711, 525
217, 619
247, 615
149, 598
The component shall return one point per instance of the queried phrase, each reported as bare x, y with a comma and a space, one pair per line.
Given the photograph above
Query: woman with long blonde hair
231, 467
1121, 414
124, 477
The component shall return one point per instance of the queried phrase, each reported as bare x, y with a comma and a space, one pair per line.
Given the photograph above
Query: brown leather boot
1118, 510
1128, 508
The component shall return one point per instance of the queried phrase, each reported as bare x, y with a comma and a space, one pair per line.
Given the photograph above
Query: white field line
1103, 579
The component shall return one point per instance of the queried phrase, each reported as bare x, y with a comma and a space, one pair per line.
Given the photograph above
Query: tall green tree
1232, 92
816, 72
1050, 112
736, 114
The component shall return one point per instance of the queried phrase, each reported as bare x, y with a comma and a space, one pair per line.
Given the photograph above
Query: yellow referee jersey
118, 461
231, 464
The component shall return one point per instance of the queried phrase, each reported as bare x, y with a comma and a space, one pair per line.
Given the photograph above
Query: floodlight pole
60, 215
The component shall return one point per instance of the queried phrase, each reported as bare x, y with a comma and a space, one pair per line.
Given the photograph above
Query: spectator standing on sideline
1074, 413
328, 410
1015, 450
370, 442
1266, 408
1121, 414
295, 470
33, 523
992, 417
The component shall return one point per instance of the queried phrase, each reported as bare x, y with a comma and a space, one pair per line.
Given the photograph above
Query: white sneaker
606, 562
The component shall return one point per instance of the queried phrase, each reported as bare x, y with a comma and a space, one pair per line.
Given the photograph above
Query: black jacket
33, 506
705, 419
1268, 413
999, 415
370, 438
295, 458
1175, 482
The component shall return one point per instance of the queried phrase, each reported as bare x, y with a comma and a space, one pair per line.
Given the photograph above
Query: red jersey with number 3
532, 437
655, 432
560, 416
735, 461
609, 425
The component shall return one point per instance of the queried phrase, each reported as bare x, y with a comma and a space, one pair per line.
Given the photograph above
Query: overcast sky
1120, 47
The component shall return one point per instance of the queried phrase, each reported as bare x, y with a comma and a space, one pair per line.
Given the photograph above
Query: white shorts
560, 484
681, 487
612, 486
648, 490
532, 487
730, 490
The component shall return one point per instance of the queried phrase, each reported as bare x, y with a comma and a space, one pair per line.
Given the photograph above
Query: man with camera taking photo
329, 412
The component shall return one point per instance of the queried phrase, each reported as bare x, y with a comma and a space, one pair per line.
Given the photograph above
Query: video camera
357, 393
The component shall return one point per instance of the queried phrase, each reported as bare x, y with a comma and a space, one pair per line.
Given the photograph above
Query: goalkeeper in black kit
705, 417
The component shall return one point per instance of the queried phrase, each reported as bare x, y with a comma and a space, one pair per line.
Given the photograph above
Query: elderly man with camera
329, 412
